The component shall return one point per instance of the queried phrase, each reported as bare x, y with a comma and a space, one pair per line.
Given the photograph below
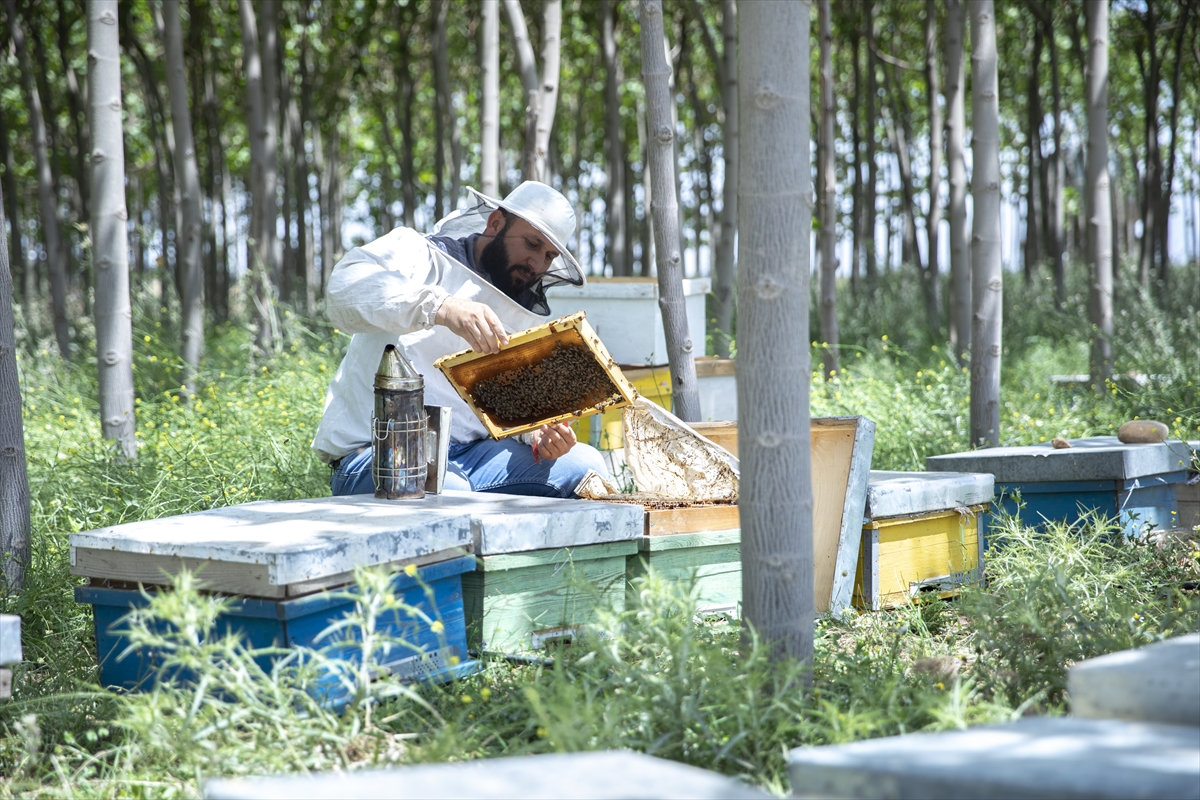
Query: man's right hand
475, 322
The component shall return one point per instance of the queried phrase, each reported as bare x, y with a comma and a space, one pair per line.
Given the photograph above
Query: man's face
517, 256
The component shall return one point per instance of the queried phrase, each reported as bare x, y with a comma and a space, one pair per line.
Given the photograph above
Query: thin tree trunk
616, 235
1099, 210
898, 133
306, 221
441, 105
960, 265
827, 183
656, 74
527, 66
1164, 262
933, 220
408, 169
110, 247
188, 178
872, 167
985, 249
14, 477
773, 367
489, 180
261, 252
20, 263
856, 181
548, 97
725, 267
271, 117
51, 233
1033, 230
76, 100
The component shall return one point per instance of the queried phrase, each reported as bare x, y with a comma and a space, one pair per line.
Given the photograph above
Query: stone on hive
1156, 683
1143, 431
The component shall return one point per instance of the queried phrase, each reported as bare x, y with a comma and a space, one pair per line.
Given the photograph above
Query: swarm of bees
566, 380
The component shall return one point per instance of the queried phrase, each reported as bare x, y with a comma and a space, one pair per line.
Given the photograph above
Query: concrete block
502, 523
611, 775
1035, 757
894, 494
1090, 459
1156, 683
10, 639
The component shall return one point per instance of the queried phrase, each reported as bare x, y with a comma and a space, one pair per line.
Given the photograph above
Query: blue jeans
487, 465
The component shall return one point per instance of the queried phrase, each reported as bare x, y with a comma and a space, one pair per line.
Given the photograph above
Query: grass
661, 681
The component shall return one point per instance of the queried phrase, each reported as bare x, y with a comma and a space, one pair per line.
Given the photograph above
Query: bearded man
482, 273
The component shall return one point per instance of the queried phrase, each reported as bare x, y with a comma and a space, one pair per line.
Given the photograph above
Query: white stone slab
502, 523
297, 540
10, 639
895, 494
613, 775
1035, 757
625, 315
1091, 459
1156, 683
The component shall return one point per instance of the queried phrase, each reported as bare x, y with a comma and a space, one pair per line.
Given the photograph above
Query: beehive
529, 376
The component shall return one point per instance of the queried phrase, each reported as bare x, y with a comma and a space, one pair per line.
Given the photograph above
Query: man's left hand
553, 441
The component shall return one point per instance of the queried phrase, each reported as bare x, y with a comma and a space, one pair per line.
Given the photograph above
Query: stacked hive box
923, 532
545, 567
1133, 484
277, 561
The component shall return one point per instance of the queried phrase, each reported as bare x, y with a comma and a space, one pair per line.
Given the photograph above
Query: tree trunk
985, 250
1059, 164
76, 100
14, 478
261, 252
548, 98
827, 183
489, 181
656, 74
871, 200
1099, 210
12, 210
1164, 263
933, 220
725, 267
188, 178
47, 194
773, 366
527, 65
899, 134
856, 181
441, 105
1033, 231
616, 236
960, 265
306, 221
408, 169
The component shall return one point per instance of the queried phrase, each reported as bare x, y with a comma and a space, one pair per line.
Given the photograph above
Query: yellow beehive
530, 347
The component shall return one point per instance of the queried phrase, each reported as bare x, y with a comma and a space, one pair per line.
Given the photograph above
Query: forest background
373, 114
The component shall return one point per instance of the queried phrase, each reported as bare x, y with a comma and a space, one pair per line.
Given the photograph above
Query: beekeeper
483, 272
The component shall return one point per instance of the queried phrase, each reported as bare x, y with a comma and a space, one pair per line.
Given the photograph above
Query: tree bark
47, 199
1099, 210
985, 250
1164, 259
441, 104
14, 477
656, 74
1033, 230
188, 178
725, 266
261, 251
933, 220
960, 265
489, 180
827, 181
856, 181
76, 100
773, 367
616, 236
871, 200
12, 210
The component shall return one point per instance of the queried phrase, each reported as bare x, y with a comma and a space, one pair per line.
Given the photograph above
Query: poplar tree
773, 367
960, 265
110, 252
1099, 205
14, 478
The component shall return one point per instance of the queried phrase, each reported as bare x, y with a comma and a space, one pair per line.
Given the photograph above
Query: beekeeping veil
542, 207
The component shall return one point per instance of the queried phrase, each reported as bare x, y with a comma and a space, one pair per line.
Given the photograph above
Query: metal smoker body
399, 430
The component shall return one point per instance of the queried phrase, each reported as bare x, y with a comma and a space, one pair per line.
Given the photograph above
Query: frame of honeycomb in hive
554, 372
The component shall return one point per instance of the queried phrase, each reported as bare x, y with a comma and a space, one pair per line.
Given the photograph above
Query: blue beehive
435, 591
1134, 484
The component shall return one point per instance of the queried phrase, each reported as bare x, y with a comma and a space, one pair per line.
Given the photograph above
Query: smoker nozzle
396, 373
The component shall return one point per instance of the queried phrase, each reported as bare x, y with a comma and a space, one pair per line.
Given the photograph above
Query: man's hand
474, 322
553, 441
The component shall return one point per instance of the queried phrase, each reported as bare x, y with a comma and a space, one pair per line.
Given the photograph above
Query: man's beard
500, 271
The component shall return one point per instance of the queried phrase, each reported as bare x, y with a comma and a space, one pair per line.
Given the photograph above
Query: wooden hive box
545, 567
530, 348
702, 544
285, 567
923, 532
1133, 484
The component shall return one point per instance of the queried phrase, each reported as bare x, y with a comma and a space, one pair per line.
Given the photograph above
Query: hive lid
467, 369
1092, 459
894, 494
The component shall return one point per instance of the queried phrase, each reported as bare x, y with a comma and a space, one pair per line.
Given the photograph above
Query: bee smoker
399, 430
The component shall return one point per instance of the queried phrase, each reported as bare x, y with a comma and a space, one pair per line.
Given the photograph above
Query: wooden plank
557, 557
723, 434
682, 541
714, 367
249, 580
691, 519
